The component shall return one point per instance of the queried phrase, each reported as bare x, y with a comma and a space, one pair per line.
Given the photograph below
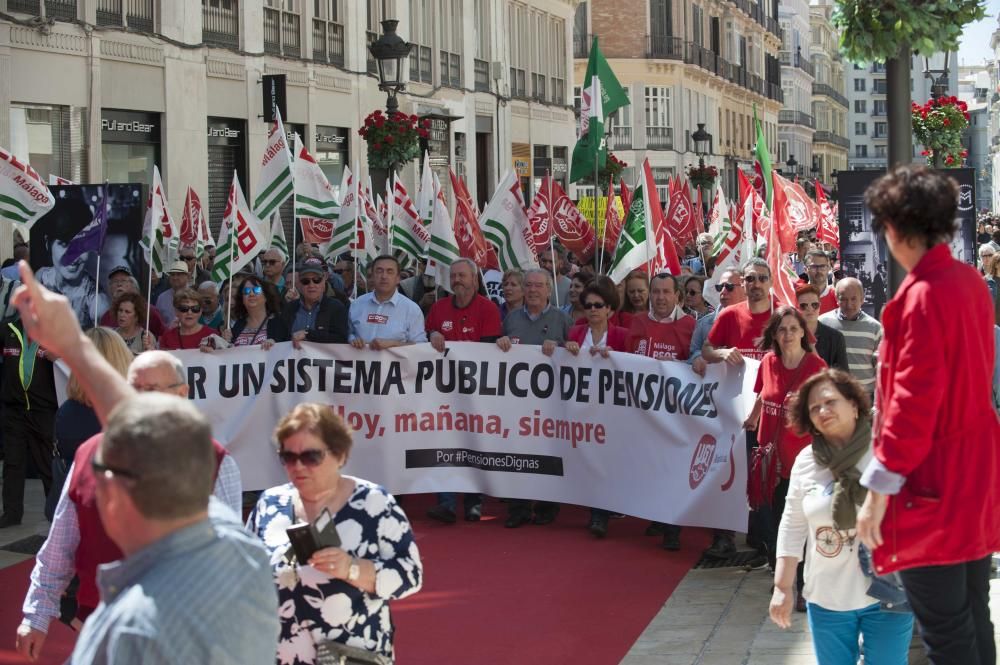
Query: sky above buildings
975, 46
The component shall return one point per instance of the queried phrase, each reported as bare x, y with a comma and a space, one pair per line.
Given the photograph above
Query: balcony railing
481, 75
829, 91
282, 35
558, 92
879, 113
420, 64
880, 87
660, 138
789, 59
134, 14
220, 26
775, 92
695, 54
830, 137
451, 69
796, 118
328, 42
581, 45
620, 139
664, 47
61, 10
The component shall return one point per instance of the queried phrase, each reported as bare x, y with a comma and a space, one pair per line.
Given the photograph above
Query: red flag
316, 231
759, 221
699, 215
781, 241
828, 229
189, 220
681, 215
612, 220
802, 211
626, 196
471, 243
666, 253
538, 216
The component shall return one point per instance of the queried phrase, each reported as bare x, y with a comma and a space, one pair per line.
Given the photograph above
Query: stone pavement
715, 616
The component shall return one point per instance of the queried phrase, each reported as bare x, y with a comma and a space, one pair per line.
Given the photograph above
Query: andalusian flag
442, 248
505, 224
314, 197
278, 235
24, 197
160, 235
275, 173
242, 237
635, 245
601, 96
408, 234
762, 164
427, 194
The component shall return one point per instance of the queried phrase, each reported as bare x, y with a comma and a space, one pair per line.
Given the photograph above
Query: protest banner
627, 433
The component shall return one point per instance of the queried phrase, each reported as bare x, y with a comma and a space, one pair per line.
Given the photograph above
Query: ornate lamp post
702, 146
792, 166
389, 51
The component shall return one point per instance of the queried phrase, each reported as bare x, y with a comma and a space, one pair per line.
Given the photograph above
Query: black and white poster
865, 255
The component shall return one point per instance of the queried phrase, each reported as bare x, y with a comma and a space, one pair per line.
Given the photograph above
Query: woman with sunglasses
694, 300
189, 331
830, 343
597, 336
338, 600
256, 305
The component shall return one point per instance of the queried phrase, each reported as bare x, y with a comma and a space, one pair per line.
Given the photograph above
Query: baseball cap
178, 267
122, 268
311, 265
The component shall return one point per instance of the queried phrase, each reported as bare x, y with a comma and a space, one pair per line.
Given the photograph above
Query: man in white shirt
384, 317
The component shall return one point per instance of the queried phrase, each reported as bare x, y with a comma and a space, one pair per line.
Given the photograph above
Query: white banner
627, 433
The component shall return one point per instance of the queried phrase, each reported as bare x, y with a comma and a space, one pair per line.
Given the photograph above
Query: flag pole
552, 236
596, 261
604, 230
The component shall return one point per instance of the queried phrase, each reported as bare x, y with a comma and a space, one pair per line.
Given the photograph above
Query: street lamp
792, 164
939, 83
815, 168
702, 146
389, 51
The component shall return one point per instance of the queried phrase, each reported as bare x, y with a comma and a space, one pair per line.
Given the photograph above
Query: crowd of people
863, 515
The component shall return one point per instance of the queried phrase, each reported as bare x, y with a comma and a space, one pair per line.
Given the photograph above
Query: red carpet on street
496, 596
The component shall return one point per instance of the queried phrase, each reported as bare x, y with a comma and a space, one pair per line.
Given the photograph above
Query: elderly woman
256, 320
789, 361
512, 286
636, 293
340, 597
189, 332
824, 494
130, 313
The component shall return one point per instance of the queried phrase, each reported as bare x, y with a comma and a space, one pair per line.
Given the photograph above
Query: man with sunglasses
314, 316
78, 542
818, 271
272, 268
196, 274
384, 318
731, 291
736, 329
178, 277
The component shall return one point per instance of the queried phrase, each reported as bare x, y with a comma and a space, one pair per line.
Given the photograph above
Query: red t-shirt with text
775, 385
663, 340
736, 328
468, 324
828, 301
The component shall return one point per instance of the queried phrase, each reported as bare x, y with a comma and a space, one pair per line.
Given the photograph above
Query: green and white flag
442, 248
601, 96
160, 235
407, 232
276, 182
278, 235
242, 237
314, 197
719, 222
426, 195
635, 244
505, 224
24, 196
762, 164
345, 229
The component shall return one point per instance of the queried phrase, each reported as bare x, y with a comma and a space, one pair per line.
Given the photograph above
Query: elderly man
314, 317
211, 310
466, 316
384, 318
77, 542
196, 274
120, 280
986, 253
537, 323
818, 271
193, 586
272, 267
178, 276
862, 333
547, 261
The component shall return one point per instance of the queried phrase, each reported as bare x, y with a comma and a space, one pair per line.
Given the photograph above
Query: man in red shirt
663, 333
818, 271
737, 329
465, 316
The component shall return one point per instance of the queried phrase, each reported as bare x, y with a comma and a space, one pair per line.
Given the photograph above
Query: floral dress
314, 607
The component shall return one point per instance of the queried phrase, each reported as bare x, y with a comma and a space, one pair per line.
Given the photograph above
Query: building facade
796, 123
974, 90
685, 63
829, 100
95, 90
993, 102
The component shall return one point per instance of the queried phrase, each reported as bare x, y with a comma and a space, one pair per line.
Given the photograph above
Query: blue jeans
450, 499
835, 635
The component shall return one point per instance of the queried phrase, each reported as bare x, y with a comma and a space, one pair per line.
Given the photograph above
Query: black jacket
330, 325
831, 346
276, 329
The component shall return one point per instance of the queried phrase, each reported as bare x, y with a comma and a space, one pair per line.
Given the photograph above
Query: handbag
338, 653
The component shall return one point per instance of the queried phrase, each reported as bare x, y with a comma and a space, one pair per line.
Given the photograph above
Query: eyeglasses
593, 305
727, 286
315, 280
184, 309
818, 266
252, 290
270, 262
750, 279
311, 457
809, 305
100, 469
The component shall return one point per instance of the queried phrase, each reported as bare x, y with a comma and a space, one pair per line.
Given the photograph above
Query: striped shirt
863, 335
202, 594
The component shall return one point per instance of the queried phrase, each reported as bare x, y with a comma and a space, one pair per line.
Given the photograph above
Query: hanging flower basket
702, 176
939, 125
611, 172
393, 139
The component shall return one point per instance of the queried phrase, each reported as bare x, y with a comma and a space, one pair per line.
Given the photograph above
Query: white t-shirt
833, 577
588, 341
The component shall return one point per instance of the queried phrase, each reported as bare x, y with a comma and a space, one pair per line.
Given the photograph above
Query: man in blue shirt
314, 316
384, 317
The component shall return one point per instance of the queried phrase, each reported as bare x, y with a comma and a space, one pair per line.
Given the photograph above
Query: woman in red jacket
597, 336
933, 506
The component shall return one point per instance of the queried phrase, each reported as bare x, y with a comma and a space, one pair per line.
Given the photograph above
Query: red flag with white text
828, 229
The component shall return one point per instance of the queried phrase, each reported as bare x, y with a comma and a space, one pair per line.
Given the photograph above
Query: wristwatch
354, 571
